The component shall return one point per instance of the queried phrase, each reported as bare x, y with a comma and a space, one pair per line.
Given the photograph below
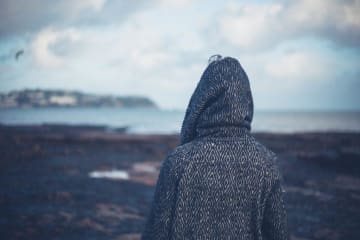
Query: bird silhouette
18, 54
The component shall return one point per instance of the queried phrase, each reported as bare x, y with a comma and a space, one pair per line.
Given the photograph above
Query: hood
221, 104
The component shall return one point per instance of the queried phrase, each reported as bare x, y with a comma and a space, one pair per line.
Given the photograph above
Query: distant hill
37, 98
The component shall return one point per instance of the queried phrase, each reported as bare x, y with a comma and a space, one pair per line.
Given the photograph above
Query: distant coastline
40, 98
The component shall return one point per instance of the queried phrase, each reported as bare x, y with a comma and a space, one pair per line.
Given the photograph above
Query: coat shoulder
267, 158
177, 160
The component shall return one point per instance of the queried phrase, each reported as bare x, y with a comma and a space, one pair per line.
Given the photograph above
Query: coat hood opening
221, 104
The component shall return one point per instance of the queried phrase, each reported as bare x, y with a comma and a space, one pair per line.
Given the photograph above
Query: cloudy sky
298, 54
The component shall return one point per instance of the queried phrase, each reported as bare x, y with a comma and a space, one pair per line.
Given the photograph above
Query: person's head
221, 99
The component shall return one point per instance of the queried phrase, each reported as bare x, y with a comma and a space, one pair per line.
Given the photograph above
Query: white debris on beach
145, 173
111, 174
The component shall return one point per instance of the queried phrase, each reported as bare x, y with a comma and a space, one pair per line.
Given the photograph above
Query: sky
299, 55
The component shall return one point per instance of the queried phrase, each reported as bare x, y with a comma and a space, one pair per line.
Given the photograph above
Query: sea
160, 121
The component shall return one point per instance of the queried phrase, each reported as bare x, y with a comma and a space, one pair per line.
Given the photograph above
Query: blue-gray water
166, 121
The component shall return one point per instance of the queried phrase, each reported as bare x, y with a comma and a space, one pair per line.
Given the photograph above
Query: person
219, 183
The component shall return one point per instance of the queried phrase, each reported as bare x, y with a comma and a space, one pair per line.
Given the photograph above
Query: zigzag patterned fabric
219, 183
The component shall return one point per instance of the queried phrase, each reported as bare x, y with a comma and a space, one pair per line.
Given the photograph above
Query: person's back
219, 183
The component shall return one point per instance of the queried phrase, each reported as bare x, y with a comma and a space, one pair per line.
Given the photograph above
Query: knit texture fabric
219, 183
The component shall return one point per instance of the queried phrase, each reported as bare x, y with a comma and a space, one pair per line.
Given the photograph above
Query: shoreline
64, 127
72, 182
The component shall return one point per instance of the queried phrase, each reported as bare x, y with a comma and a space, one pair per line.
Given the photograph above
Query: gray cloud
262, 26
18, 17
337, 20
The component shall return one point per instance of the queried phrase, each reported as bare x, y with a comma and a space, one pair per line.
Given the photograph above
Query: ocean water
167, 121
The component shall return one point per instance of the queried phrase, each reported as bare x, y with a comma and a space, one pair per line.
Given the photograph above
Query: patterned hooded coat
219, 183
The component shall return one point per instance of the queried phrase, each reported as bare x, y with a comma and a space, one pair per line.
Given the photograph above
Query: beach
72, 182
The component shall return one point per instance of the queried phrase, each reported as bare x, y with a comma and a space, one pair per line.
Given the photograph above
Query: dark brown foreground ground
46, 191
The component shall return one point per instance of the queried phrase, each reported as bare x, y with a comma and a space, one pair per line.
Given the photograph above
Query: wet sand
55, 182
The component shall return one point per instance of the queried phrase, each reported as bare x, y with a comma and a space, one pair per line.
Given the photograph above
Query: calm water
165, 121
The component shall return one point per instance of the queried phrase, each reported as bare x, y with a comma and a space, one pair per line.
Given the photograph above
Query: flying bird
18, 54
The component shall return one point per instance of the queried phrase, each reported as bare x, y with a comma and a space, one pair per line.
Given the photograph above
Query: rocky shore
73, 182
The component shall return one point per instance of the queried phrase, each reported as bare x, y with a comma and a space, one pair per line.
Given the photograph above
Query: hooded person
219, 183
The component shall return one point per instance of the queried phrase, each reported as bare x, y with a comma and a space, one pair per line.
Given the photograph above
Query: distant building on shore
37, 98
